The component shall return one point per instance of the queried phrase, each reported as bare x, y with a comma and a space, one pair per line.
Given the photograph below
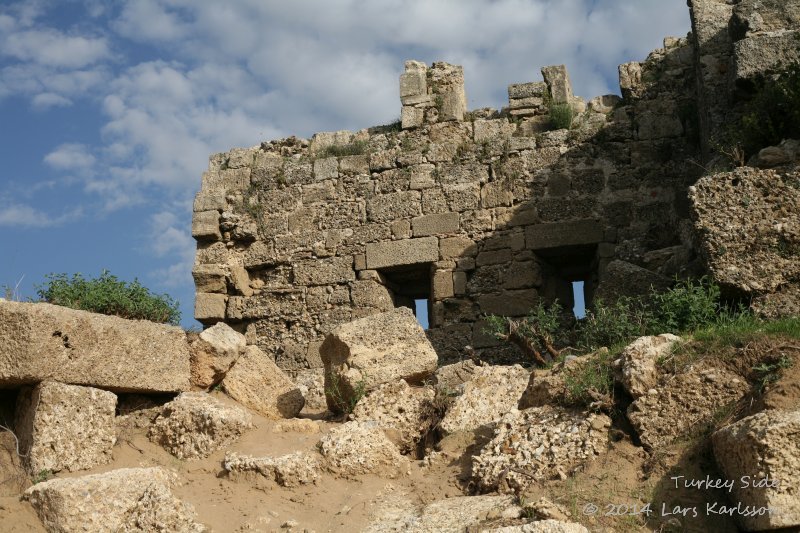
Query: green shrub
561, 116
773, 114
687, 306
535, 334
109, 296
589, 380
353, 148
609, 325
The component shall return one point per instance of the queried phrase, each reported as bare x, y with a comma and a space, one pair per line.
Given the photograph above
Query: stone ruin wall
480, 212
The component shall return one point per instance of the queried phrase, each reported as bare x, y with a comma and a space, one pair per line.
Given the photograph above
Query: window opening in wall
410, 286
578, 299
421, 312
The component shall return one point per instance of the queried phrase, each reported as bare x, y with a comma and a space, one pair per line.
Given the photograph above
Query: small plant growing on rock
334, 391
109, 296
534, 334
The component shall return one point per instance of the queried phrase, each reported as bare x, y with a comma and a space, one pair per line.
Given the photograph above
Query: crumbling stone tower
475, 213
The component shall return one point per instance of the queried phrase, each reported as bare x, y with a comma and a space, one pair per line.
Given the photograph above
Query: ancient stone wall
481, 212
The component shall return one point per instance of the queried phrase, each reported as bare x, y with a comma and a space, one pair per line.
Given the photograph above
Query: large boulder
357, 448
403, 412
65, 427
539, 444
749, 235
761, 454
256, 382
361, 355
681, 402
194, 425
123, 500
492, 392
48, 342
638, 362
213, 353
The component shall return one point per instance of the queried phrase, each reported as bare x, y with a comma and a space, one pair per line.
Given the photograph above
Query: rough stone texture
371, 351
357, 448
127, 500
49, 342
638, 362
543, 526
452, 377
213, 353
557, 80
492, 392
65, 427
256, 382
765, 445
406, 252
554, 235
209, 307
750, 234
625, 279
681, 402
194, 425
549, 386
539, 444
291, 470
311, 383
405, 413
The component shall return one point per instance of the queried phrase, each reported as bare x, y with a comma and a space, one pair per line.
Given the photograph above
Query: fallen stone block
49, 342
542, 526
298, 468
361, 355
357, 448
256, 382
213, 353
123, 500
539, 444
638, 362
405, 413
681, 402
65, 427
761, 453
492, 392
194, 425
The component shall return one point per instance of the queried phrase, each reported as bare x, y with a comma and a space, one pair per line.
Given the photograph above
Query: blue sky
110, 109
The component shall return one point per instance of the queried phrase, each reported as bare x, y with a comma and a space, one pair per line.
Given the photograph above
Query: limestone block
638, 362
209, 307
496, 194
213, 353
354, 164
325, 139
209, 278
413, 81
194, 425
630, 79
401, 229
125, 500
509, 302
324, 271
658, 126
240, 280
681, 402
326, 168
370, 351
392, 206
232, 179
411, 117
256, 382
358, 448
404, 252
556, 234
369, 293
405, 413
535, 89
604, 104
422, 177
753, 17
435, 224
626, 279
291, 470
756, 55
764, 451
43, 341
442, 285
557, 80
453, 376
205, 225
65, 427
492, 392
457, 247
209, 200
543, 526
459, 283
492, 130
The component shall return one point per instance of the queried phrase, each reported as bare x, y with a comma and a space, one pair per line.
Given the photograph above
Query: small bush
589, 380
109, 296
353, 148
534, 335
689, 305
609, 325
561, 116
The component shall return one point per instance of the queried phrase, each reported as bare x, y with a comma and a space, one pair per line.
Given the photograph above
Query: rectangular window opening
421, 312
410, 286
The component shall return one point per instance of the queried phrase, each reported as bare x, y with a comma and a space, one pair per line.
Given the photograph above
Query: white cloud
55, 49
22, 215
44, 101
170, 238
71, 157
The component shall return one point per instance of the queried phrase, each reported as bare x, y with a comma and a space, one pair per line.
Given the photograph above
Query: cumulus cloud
53, 48
170, 238
44, 101
22, 215
71, 157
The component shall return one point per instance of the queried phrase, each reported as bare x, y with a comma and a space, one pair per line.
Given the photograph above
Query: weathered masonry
480, 212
